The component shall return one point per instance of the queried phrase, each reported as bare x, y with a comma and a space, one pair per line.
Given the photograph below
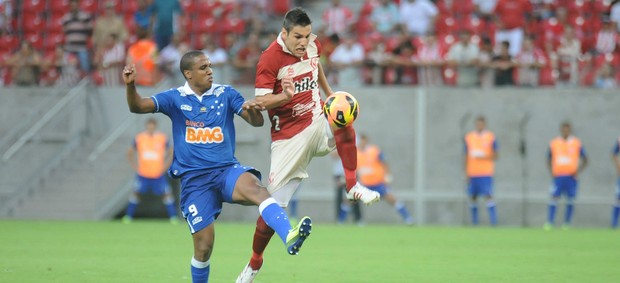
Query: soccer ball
341, 109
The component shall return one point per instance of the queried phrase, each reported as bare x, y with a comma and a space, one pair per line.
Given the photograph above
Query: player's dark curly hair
296, 17
187, 61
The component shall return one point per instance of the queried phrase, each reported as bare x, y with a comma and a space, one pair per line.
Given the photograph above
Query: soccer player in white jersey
204, 139
299, 131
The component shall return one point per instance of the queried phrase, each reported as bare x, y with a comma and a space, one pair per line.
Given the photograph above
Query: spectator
346, 60
170, 58
504, 67
568, 54
510, 19
384, 17
605, 77
614, 14
65, 68
403, 59
246, 59
144, 15
78, 28
529, 62
430, 61
377, 59
337, 19
143, 53
165, 13
107, 24
485, 8
5, 16
25, 65
607, 38
418, 16
109, 60
218, 58
553, 28
486, 72
464, 55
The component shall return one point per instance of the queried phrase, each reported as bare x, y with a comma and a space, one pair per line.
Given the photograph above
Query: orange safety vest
143, 54
479, 151
151, 151
565, 155
370, 168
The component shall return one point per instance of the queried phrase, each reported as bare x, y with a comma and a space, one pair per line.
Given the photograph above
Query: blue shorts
618, 188
564, 185
157, 186
480, 186
202, 193
381, 189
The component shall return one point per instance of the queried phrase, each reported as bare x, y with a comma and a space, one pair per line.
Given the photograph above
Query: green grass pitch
154, 251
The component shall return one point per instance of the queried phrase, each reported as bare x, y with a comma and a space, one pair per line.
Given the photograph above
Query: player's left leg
472, 191
163, 189
555, 190
488, 193
203, 247
140, 186
571, 194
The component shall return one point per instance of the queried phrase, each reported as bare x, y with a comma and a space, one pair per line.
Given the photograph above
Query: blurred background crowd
465, 43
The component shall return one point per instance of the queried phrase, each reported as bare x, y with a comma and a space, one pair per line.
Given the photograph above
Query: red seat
53, 40
473, 24
33, 6
206, 7
602, 6
447, 25
205, 24
463, 7
54, 23
32, 23
449, 75
234, 25
8, 43
130, 7
363, 26
90, 6
35, 40
130, 23
187, 6
59, 6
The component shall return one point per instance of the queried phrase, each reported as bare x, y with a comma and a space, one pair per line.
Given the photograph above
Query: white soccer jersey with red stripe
276, 63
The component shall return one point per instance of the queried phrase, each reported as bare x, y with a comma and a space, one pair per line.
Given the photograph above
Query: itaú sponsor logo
203, 135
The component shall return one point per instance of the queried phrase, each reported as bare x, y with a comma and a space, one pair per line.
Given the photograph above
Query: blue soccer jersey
202, 127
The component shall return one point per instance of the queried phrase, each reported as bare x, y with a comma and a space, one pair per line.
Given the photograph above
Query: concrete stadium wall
436, 194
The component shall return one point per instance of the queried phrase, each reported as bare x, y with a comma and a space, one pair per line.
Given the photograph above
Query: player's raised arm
271, 100
136, 103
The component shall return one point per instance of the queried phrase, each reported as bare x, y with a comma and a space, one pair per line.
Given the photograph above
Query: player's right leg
472, 191
615, 213
203, 247
553, 203
488, 193
140, 186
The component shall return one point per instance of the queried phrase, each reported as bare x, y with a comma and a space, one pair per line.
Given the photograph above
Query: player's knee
346, 134
168, 199
262, 227
202, 249
134, 198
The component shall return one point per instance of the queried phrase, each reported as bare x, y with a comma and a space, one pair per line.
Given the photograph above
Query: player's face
297, 39
150, 127
565, 130
480, 125
201, 74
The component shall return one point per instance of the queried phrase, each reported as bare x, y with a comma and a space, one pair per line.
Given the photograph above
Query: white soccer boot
359, 192
247, 275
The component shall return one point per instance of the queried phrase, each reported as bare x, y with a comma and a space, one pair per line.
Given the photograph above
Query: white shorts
290, 158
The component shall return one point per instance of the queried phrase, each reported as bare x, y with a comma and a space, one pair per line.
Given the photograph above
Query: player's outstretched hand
253, 104
129, 74
288, 87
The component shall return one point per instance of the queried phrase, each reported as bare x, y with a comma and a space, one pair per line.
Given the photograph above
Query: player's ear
284, 33
188, 74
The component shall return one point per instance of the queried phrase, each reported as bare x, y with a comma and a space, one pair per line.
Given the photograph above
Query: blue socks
169, 203
404, 213
568, 215
551, 213
474, 213
131, 208
343, 212
492, 214
614, 216
275, 217
200, 271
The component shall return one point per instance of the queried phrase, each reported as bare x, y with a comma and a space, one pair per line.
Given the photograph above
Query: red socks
347, 149
262, 235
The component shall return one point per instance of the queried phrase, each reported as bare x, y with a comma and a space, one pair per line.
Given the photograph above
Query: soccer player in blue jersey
204, 138
616, 210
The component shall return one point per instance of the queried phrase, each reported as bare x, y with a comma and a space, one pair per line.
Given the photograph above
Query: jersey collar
281, 43
188, 91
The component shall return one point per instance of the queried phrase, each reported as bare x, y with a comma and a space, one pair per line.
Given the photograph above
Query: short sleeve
164, 101
549, 153
266, 75
582, 152
236, 100
494, 145
616, 150
134, 144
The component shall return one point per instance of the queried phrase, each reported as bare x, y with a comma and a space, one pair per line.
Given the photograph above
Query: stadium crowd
462, 43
